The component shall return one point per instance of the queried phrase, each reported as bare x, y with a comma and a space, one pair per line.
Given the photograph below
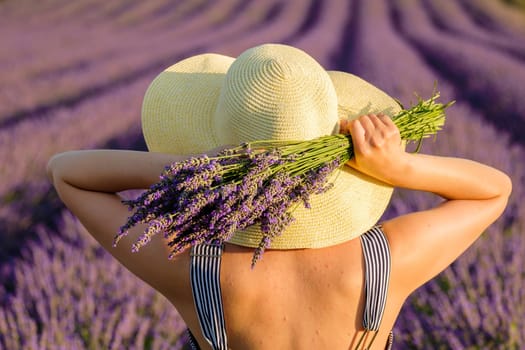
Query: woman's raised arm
88, 183
426, 242
108, 170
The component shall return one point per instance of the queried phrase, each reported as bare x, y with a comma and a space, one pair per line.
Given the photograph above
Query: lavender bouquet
207, 199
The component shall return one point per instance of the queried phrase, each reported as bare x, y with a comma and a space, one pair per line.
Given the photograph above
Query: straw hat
271, 91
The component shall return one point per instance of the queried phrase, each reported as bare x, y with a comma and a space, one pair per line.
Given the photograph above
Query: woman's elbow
50, 167
505, 190
53, 166
506, 186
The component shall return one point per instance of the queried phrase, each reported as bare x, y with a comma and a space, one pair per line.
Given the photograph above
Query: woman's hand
378, 151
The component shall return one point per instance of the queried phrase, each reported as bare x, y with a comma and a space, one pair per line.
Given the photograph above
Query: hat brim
177, 117
179, 104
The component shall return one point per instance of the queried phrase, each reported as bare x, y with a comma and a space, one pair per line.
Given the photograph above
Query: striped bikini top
206, 288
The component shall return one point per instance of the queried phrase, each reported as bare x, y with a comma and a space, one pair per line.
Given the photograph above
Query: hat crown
275, 92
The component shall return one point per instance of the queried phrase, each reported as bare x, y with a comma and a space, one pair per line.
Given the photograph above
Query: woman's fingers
373, 129
374, 137
370, 131
381, 130
357, 131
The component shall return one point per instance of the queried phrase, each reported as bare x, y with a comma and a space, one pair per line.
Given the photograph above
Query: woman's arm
109, 171
379, 154
88, 182
426, 242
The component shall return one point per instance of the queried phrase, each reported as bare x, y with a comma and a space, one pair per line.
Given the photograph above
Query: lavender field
72, 76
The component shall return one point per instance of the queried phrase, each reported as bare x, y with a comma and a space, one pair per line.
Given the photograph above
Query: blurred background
73, 74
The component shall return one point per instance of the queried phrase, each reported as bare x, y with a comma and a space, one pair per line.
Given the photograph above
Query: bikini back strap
206, 288
377, 271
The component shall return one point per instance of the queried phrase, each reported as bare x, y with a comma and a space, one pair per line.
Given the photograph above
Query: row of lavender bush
497, 16
68, 69
61, 291
487, 78
70, 294
449, 16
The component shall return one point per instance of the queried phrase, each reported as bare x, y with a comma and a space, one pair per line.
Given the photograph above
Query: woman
334, 279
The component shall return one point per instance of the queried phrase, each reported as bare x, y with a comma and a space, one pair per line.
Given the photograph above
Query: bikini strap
205, 269
377, 275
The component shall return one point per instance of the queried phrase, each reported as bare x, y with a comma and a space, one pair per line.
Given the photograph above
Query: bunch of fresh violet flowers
207, 199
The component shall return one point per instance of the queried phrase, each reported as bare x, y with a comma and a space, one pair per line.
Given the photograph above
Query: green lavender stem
420, 121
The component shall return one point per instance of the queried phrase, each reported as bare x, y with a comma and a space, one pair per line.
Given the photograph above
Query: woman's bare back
316, 301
